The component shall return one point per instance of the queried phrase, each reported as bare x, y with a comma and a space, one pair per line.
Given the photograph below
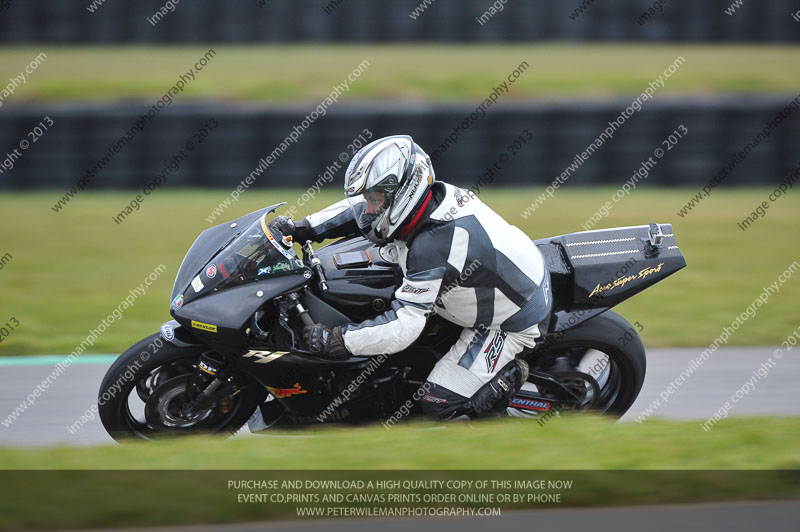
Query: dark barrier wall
239, 21
702, 137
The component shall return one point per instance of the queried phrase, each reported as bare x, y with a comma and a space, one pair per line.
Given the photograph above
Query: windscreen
256, 253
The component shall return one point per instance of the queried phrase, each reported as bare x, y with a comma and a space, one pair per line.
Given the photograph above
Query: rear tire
612, 335
129, 374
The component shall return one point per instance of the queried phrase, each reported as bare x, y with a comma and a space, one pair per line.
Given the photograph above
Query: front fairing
229, 272
209, 243
253, 255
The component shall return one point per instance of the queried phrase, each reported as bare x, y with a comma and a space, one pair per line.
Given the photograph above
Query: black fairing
230, 310
309, 394
592, 271
219, 317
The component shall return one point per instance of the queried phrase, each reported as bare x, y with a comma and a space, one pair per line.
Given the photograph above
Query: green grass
437, 72
118, 485
71, 269
125, 485
740, 443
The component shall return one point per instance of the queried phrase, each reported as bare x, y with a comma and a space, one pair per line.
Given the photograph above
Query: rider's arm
334, 221
400, 326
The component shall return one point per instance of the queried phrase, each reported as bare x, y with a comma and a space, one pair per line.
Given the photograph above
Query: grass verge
582, 442
437, 72
683, 463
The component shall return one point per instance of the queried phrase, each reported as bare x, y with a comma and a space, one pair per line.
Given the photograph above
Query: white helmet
393, 175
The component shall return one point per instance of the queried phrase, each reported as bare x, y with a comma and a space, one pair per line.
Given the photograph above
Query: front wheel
601, 362
144, 395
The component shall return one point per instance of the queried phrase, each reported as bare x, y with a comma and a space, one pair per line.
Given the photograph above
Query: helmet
385, 182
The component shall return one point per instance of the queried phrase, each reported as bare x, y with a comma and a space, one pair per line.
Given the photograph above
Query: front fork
212, 381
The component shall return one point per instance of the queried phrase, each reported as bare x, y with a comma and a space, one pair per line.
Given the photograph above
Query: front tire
126, 397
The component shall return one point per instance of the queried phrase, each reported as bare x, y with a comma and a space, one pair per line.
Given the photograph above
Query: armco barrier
718, 128
246, 21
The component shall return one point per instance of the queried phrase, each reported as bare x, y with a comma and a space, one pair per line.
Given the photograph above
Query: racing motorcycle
234, 352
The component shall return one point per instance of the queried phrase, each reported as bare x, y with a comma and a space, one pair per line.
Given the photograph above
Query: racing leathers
464, 262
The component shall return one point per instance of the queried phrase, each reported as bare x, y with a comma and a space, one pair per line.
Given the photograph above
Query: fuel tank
360, 291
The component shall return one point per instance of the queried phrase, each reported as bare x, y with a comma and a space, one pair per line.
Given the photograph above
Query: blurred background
429, 64
179, 103
127, 128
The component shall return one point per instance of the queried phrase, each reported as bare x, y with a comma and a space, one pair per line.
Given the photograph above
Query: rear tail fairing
593, 271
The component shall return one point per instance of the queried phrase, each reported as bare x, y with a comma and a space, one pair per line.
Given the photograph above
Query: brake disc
165, 406
583, 385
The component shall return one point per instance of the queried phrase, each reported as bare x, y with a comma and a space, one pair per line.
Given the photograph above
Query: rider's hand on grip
283, 225
302, 231
325, 341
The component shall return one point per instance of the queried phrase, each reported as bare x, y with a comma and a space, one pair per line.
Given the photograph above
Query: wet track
702, 394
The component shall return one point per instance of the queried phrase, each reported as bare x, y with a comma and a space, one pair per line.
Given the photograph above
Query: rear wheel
601, 362
144, 395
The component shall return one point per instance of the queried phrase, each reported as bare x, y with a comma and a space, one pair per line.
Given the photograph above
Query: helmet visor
370, 206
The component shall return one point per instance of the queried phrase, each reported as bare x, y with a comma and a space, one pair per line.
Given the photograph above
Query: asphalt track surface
782, 516
700, 396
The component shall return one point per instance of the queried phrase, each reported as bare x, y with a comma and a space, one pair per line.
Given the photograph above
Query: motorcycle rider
460, 260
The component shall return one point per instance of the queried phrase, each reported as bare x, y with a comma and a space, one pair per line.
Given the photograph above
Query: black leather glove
302, 231
283, 225
325, 342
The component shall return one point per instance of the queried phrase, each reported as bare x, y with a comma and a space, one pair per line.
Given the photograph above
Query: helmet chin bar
374, 236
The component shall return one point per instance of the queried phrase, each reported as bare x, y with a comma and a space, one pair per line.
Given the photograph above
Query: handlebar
302, 312
316, 265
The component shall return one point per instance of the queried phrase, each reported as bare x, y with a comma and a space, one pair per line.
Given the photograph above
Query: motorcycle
234, 353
